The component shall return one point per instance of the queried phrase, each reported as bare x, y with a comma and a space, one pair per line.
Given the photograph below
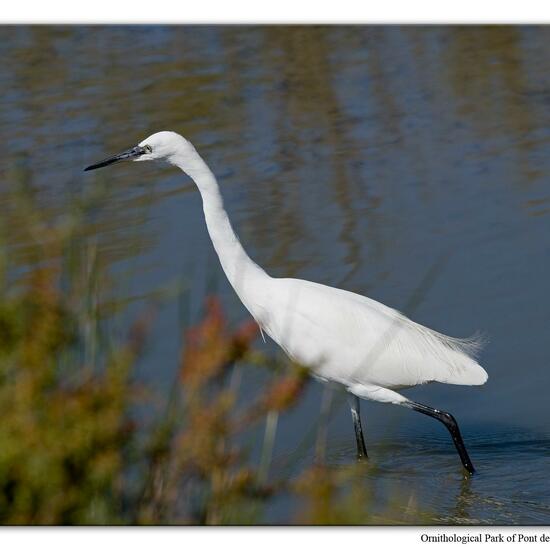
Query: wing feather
350, 338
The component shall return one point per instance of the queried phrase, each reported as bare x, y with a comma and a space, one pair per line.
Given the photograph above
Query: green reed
83, 441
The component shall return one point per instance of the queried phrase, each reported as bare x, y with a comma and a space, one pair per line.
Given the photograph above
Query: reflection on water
353, 156
424, 469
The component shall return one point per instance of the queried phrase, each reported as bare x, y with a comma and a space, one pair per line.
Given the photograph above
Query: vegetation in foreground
84, 442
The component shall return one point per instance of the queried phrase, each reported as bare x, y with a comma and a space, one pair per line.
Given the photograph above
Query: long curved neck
241, 271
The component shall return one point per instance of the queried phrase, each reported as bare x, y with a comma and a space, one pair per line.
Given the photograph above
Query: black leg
356, 415
450, 423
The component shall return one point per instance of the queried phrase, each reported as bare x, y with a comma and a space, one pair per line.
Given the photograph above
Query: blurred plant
199, 451
63, 439
75, 444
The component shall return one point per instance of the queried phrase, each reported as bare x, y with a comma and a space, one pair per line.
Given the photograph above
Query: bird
357, 343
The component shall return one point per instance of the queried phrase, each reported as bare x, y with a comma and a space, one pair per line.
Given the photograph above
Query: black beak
126, 155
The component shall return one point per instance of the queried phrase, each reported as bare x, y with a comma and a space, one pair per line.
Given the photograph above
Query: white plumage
367, 347
353, 340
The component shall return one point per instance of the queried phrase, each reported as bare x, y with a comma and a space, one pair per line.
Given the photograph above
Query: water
360, 157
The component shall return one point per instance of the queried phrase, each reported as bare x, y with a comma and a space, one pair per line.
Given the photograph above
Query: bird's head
160, 146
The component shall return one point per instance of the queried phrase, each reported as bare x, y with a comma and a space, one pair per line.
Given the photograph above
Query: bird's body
366, 347
358, 342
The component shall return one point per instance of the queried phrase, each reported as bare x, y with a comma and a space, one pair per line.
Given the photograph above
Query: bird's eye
148, 149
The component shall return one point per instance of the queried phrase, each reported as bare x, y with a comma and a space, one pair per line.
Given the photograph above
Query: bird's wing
351, 338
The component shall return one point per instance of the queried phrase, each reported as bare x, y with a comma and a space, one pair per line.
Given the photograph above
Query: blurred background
406, 163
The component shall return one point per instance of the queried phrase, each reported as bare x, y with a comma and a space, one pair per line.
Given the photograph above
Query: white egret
366, 347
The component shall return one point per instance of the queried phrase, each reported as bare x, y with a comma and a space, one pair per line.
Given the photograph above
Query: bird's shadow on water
511, 485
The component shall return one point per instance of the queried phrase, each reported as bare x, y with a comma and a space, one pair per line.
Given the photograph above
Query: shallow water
407, 163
